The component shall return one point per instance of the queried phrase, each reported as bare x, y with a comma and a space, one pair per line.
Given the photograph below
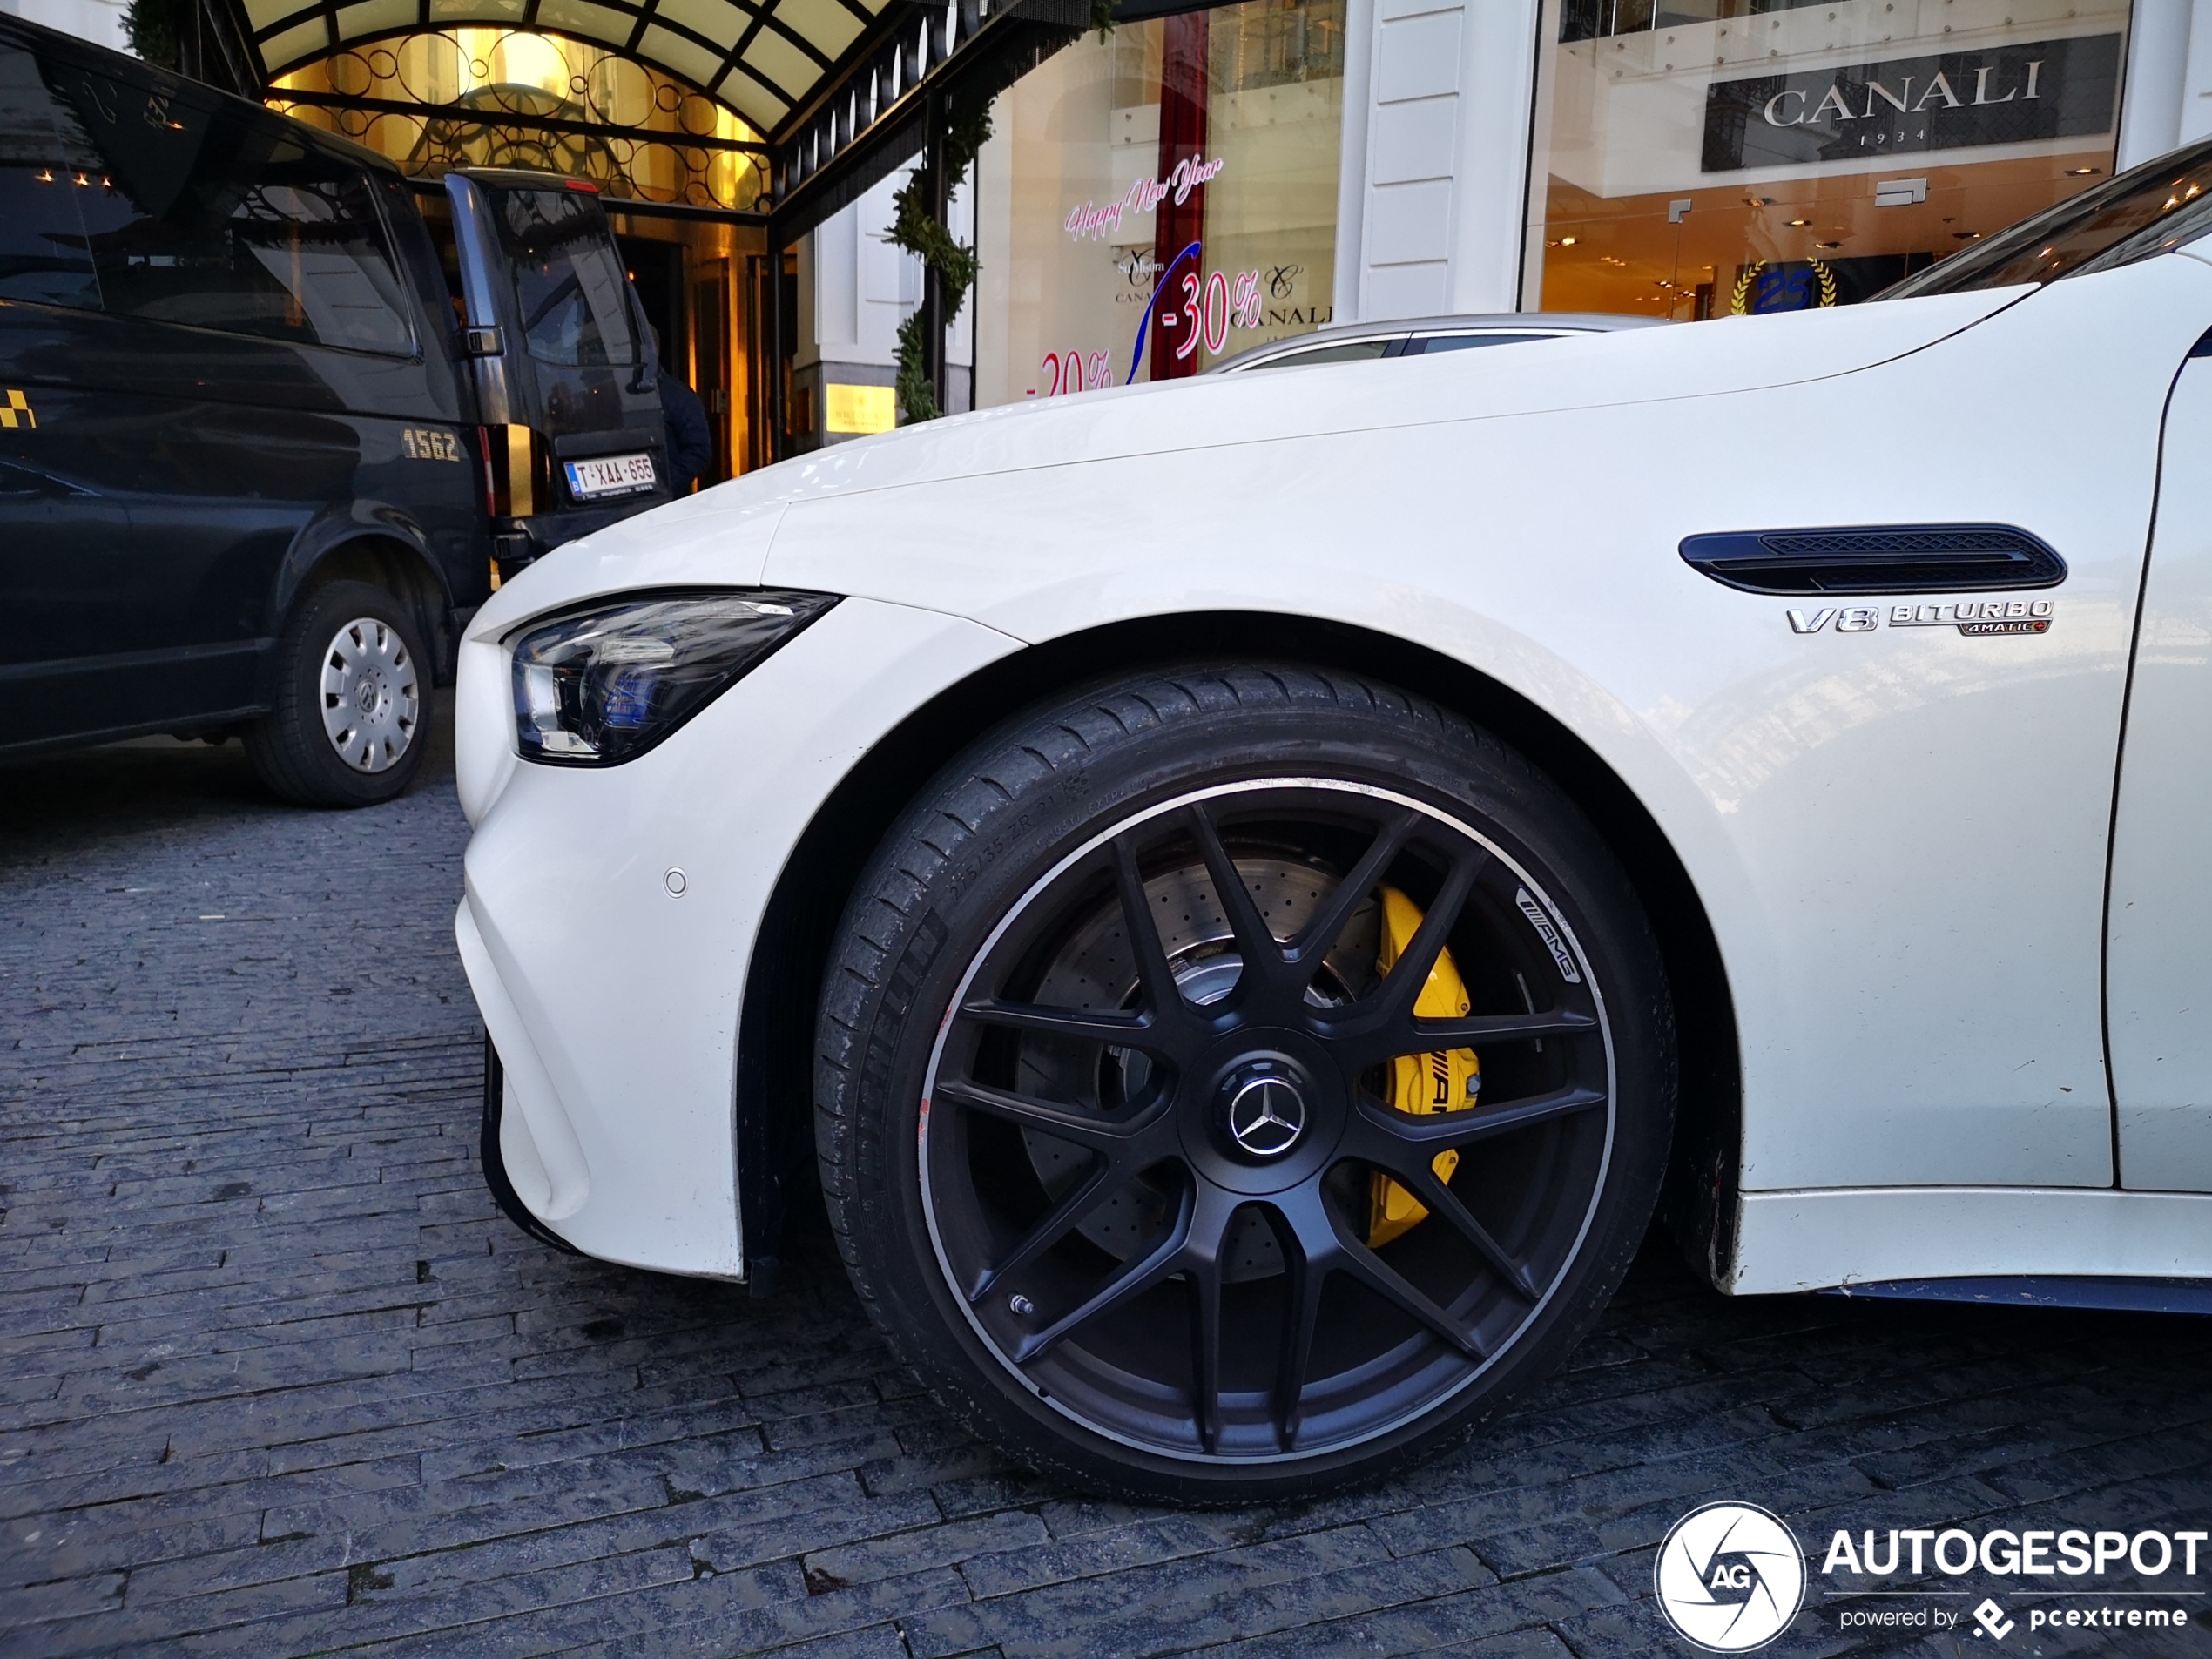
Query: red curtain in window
1183, 138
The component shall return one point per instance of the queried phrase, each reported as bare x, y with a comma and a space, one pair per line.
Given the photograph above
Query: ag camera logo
1730, 1577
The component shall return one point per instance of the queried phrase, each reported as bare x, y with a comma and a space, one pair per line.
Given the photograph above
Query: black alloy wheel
1110, 1101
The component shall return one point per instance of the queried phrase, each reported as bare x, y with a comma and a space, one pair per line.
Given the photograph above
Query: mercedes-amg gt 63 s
1252, 891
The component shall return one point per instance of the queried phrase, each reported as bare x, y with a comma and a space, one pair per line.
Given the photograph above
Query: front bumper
610, 916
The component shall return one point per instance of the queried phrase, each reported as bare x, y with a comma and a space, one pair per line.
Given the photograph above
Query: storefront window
1696, 157
1157, 202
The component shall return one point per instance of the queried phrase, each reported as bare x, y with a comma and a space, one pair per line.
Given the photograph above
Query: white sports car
1250, 889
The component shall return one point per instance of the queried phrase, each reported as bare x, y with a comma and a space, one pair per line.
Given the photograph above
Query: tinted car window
225, 219
43, 255
1352, 351
1429, 344
244, 228
2144, 210
188, 213
567, 282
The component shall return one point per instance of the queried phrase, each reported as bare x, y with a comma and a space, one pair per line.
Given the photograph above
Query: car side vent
1877, 558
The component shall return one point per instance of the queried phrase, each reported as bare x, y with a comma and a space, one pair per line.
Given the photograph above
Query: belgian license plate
609, 476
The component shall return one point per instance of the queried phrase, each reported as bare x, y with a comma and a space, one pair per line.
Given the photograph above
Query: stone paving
278, 1380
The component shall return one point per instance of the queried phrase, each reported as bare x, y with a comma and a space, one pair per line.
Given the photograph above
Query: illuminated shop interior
1681, 171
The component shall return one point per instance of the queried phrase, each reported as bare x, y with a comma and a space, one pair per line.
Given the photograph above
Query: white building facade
1206, 181
97, 21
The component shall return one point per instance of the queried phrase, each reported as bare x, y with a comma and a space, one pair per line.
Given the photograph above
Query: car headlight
599, 686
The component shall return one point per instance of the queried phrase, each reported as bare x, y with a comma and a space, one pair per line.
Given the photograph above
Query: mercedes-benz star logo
1266, 1116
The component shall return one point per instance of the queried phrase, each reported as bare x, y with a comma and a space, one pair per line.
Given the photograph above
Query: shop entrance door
714, 364
681, 266
657, 271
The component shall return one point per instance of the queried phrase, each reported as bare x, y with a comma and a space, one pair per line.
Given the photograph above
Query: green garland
915, 229
919, 232
154, 28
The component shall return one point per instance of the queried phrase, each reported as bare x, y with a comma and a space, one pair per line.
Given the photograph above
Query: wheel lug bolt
1022, 1306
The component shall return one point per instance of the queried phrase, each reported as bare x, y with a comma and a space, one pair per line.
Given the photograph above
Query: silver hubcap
371, 699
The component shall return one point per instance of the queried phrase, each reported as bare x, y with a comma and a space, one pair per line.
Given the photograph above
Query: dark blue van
268, 434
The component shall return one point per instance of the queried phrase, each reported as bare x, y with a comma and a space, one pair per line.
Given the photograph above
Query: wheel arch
774, 1083
385, 557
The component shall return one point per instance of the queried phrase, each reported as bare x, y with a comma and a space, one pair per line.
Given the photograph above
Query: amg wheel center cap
1266, 1114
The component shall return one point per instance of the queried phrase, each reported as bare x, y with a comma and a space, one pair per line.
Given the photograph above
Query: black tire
927, 1162
292, 748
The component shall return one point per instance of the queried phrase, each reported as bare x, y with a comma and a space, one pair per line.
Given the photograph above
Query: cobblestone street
278, 1378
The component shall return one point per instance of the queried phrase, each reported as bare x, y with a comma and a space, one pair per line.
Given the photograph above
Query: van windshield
2147, 210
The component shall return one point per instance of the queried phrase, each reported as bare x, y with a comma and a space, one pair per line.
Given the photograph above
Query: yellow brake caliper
1448, 1081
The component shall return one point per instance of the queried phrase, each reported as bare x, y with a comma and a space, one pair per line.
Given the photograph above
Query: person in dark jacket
690, 444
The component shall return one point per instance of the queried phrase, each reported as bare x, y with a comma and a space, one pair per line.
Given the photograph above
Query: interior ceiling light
2080, 173
1801, 222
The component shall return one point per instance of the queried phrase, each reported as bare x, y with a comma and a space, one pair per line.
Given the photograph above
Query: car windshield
2145, 210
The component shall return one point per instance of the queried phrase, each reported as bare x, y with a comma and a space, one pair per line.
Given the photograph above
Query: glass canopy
760, 57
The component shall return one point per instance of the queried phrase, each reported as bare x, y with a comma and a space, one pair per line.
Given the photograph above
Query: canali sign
2012, 94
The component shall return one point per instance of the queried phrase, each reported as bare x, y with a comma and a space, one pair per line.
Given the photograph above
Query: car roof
1545, 322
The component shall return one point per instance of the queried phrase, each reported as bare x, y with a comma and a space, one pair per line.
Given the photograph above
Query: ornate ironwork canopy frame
868, 115
472, 114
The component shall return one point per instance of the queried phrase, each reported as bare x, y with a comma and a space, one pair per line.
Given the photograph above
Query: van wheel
352, 692
1238, 1083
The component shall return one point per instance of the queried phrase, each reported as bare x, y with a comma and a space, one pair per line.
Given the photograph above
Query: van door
566, 377
56, 538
